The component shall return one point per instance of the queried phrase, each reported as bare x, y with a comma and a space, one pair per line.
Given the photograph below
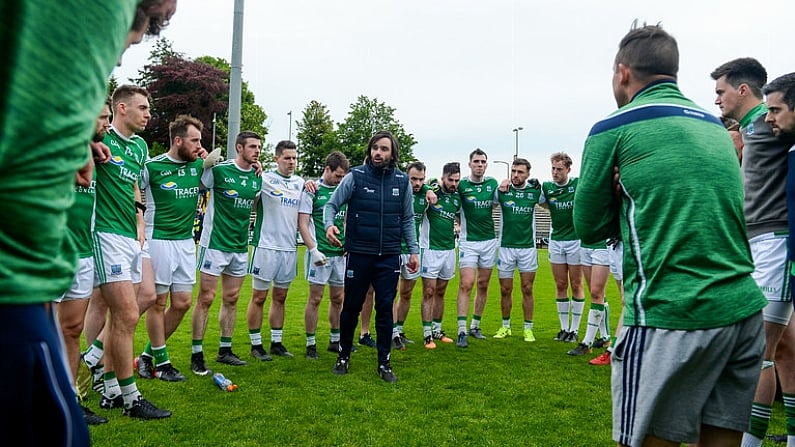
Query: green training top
233, 191
313, 204
517, 205
560, 199
438, 225
78, 221
172, 192
477, 200
420, 204
687, 262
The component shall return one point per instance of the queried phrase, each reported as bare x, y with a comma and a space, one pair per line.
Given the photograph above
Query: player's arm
596, 207
139, 215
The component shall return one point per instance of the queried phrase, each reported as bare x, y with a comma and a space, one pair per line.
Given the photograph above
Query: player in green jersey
437, 241
223, 248
564, 247
477, 251
324, 263
686, 362
517, 248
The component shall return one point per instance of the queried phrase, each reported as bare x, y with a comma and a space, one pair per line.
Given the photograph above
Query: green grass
495, 393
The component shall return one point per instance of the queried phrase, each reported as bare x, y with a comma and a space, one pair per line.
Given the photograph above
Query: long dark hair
395, 147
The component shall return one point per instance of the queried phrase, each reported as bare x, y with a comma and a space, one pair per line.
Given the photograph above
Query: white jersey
277, 213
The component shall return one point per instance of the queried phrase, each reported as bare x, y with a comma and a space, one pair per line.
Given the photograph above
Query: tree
366, 117
316, 139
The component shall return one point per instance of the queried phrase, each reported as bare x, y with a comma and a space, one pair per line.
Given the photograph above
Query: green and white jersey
477, 200
115, 208
601, 245
420, 205
560, 199
438, 225
313, 205
517, 205
233, 192
79, 219
687, 261
276, 227
172, 192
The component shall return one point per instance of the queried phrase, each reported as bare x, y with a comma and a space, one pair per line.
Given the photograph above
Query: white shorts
771, 274
594, 256
522, 259
615, 255
83, 284
332, 273
173, 262
480, 254
438, 264
565, 252
276, 266
145, 250
116, 258
215, 262
404, 271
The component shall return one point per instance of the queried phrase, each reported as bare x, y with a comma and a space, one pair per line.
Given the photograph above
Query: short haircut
523, 162
451, 168
478, 151
144, 10
649, 51
418, 165
395, 146
124, 92
179, 127
282, 145
336, 160
784, 84
745, 70
245, 135
561, 156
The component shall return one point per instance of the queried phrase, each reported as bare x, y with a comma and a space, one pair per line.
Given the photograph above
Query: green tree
366, 117
316, 139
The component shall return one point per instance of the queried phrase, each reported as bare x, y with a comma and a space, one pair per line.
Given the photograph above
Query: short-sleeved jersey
477, 200
438, 225
172, 192
276, 227
233, 191
517, 208
313, 205
115, 209
420, 205
79, 219
560, 199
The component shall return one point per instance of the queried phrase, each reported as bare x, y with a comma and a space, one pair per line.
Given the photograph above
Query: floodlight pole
516, 147
235, 81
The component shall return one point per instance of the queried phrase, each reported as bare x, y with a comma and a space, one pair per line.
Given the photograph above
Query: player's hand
617, 188
431, 197
318, 258
310, 186
211, 159
100, 151
331, 235
414, 263
202, 153
504, 185
85, 174
257, 168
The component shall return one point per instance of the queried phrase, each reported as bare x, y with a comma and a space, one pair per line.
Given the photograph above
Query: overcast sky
464, 74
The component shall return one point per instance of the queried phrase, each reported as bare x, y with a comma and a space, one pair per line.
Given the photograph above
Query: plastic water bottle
223, 383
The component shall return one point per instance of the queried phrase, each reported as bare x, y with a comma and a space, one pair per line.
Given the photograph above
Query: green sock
760, 419
160, 354
789, 412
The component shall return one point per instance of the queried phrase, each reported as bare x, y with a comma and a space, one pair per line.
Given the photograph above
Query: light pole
290, 132
507, 167
516, 147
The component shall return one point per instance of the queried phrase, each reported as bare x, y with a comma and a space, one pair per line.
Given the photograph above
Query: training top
420, 204
560, 199
437, 231
764, 174
79, 219
517, 205
477, 200
172, 192
313, 205
233, 191
115, 209
687, 262
276, 226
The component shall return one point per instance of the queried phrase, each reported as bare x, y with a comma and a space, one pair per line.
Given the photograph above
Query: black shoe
258, 352
397, 343
146, 367
311, 352
98, 383
334, 347
341, 367
92, 418
405, 340
581, 349
197, 365
385, 372
462, 340
367, 340
563, 334
143, 409
280, 350
168, 373
229, 358
601, 342
572, 337
109, 404
477, 333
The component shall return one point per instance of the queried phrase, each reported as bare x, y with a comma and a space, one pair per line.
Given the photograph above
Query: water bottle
223, 383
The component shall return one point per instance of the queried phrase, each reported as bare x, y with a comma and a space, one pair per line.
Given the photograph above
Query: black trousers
382, 273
